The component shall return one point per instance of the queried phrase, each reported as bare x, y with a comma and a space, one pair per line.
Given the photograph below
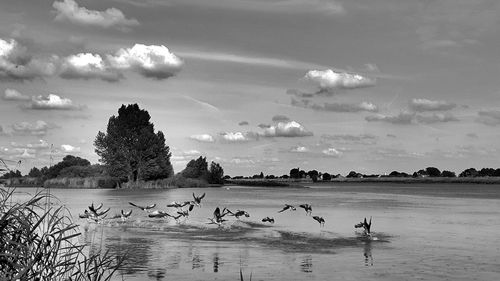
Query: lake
421, 232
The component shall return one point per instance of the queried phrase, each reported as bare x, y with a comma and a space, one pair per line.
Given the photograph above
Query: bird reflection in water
197, 262
217, 262
306, 265
158, 274
367, 253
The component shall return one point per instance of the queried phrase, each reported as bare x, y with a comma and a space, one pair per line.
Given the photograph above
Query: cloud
27, 154
243, 123
38, 128
330, 80
280, 118
391, 136
69, 148
40, 145
239, 136
404, 118
14, 95
263, 126
17, 64
436, 118
151, 61
489, 117
68, 10
422, 105
349, 139
287, 129
202, 138
52, 102
88, 66
384, 153
340, 107
332, 152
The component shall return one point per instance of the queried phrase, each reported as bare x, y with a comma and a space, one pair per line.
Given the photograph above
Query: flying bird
307, 208
218, 216
321, 220
365, 225
238, 213
268, 219
287, 207
144, 208
159, 214
197, 199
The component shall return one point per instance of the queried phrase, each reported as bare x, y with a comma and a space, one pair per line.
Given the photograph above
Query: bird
268, 219
85, 215
144, 208
178, 205
125, 215
218, 216
307, 208
159, 214
92, 207
365, 225
238, 213
197, 199
287, 207
183, 213
321, 220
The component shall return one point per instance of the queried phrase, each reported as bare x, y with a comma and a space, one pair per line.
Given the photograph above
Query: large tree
130, 148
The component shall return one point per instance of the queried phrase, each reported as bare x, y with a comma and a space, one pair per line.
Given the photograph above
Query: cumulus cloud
151, 61
402, 118
88, 66
331, 80
41, 144
332, 152
239, 136
17, 64
422, 105
280, 118
243, 123
202, 138
337, 107
38, 128
68, 10
14, 95
489, 117
52, 102
349, 139
436, 118
67, 148
287, 129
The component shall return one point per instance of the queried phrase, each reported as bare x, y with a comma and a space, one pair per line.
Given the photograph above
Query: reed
40, 242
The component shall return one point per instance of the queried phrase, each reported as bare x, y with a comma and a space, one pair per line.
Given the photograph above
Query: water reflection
367, 253
306, 265
157, 274
217, 262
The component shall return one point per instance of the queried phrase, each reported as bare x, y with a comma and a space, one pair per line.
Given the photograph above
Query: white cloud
401, 118
27, 154
238, 136
330, 79
489, 117
288, 129
52, 102
68, 10
14, 95
202, 138
88, 66
332, 152
17, 64
38, 128
151, 61
340, 107
365, 139
69, 148
436, 118
41, 144
430, 105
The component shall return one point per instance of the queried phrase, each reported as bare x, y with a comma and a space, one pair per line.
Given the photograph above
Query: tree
35, 173
215, 174
12, 174
294, 173
130, 149
486, 172
433, 172
327, 177
68, 161
196, 169
313, 174
448, 174
471, 172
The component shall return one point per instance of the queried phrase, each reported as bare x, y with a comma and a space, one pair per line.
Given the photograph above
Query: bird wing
216, 212
303, 206
201, 197
140, 207
127, 214
103, 212
284, 209
98, 207
150, 206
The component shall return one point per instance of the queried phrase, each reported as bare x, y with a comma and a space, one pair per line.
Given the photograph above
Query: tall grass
40, 242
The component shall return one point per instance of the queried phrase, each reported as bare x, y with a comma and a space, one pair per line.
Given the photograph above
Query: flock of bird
94, 213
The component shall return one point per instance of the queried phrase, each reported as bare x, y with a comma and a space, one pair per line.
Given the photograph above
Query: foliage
433, 172
130, 148
35, 173
295, 173
313, 174
11, 174
38, 243
68, 161
215, 174
448, 174
82, 171
327, 177
470, 172
196, 169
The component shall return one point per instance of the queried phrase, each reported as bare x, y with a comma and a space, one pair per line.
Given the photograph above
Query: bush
38, 243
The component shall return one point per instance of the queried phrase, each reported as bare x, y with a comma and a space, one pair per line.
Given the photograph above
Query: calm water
429, 232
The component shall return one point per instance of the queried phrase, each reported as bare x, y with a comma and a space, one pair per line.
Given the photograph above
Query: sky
257, 85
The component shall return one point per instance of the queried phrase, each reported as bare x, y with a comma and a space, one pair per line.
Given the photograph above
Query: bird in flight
287, 207
365, 225
238, 213
197, 199
321, 220
159, 214
268, 219
144, 208
307, 208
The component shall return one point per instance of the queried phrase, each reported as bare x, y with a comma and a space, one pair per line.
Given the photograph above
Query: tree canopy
130, 149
